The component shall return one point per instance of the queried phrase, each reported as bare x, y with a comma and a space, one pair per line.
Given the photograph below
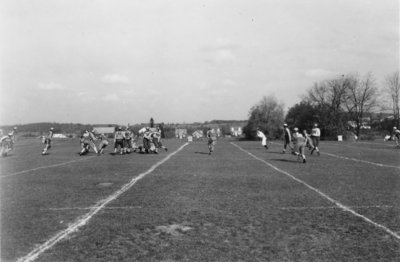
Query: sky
182, 61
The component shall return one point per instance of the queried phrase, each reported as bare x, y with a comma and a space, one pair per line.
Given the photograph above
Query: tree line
333, 104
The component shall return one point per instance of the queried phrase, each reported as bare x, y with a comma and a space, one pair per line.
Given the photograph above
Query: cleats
304, 161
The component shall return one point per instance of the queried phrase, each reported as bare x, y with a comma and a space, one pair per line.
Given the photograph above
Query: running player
263, 138
157, 139
47, 141
315, 136
309, 143
287, 138
119, 141
299, 142
92, 139
6, 144
212, 140
396, 136
128, 140
85, 144
103, 144
147, 140
13, 137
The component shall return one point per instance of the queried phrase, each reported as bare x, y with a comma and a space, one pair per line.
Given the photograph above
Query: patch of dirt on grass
174, 229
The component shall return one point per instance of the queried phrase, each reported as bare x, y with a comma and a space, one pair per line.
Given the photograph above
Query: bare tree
328, 97
392, 89
361, 98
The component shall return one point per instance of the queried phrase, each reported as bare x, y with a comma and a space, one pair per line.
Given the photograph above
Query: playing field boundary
43, 167
335, 202
353, 159
83, 220
360, 160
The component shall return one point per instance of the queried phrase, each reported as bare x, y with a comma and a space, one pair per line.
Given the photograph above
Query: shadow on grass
285, 160
8, 155
202, 153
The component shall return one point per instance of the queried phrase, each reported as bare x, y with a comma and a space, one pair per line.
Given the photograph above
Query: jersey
211, 135
396, 133
316, 132
299, 139
287, 134
5, 139
119, 135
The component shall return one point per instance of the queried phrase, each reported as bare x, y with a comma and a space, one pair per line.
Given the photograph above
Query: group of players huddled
125, 141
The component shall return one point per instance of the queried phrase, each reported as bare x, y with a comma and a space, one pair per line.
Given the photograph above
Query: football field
242, 203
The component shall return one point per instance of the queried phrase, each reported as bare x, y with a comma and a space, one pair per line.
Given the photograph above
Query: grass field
243, 203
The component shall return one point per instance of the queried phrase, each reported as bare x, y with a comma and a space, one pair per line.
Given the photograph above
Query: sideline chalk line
83, 220
360, 160
337, 203
354, 159
336, 207
43, 167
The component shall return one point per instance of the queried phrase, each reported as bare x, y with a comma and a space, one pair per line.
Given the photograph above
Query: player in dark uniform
119, 140
287, 139
85, 143
103, 143
156, 135
211, 140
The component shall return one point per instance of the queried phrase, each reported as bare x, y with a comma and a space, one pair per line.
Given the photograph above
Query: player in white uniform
47, 141
261, 135
309, 143
315, 136
13, 137
92, 139
396, 136
299, 142
6, 144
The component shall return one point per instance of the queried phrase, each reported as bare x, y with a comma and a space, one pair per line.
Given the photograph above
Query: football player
46, 140
261, 135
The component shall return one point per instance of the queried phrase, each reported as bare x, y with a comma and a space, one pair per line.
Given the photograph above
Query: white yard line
354, 159
44, 167
360, 160
337, 203
336, 207
83, 220
86, 208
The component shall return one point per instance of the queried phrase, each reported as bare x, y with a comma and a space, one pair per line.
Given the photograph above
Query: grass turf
225, 207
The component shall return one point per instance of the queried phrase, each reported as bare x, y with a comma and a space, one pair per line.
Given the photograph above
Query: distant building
59, 136
104, 130
180, 133
365, 123
236, 131
198, 134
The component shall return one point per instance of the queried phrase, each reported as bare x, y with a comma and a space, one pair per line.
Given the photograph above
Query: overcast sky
125, 61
